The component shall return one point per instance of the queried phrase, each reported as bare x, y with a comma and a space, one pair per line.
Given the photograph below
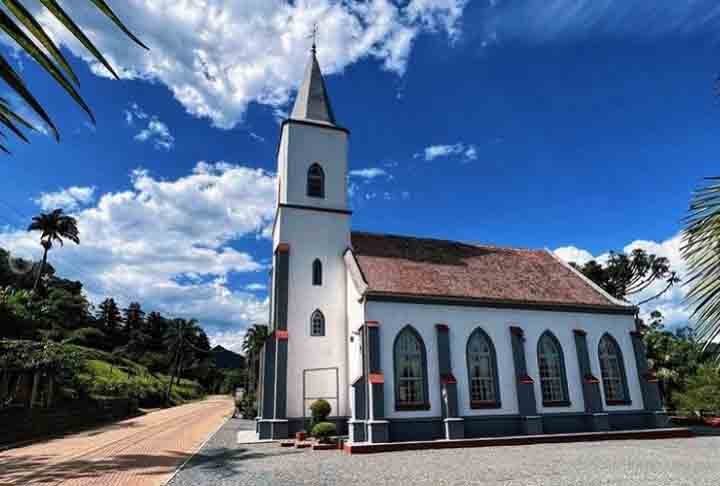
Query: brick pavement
143, 451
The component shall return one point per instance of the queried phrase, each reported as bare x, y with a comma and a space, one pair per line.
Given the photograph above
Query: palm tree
179, 337
701, 250
23, 28
54, 226
252, 345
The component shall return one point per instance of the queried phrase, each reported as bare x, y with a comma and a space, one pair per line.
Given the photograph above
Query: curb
200, 447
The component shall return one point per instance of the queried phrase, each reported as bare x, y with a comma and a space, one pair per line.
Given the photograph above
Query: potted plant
322, 431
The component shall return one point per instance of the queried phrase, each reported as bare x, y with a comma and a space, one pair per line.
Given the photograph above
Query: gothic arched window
410, 371
482, 371
317, 324
551, 364
613, 371
316, 181
317, 272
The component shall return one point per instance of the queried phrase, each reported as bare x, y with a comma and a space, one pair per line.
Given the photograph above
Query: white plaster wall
356, 318
496, 322
311, 235
304, 146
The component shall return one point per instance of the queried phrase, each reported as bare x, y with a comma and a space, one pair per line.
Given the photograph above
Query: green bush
248, 407
323, 431
702, 391
320, 411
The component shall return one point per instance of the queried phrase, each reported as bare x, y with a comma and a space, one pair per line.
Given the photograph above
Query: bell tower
305, 357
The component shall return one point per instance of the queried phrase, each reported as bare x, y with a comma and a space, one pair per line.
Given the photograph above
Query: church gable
429, 268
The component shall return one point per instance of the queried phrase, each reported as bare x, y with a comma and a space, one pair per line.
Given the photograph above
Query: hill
226, 359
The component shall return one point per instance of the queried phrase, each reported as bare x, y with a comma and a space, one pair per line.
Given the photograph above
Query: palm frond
76, 31
32, 40
701, 250
32, 25
8, 123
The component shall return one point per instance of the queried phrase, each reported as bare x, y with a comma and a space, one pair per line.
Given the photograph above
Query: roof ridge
444, 240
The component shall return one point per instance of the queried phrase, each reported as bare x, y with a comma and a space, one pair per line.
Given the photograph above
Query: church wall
496, 322
311, 235
356, 318
308, 145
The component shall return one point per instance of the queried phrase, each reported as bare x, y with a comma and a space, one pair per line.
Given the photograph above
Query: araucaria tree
701, 250
54, 227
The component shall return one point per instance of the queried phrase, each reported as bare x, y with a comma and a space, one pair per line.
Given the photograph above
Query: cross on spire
314, 35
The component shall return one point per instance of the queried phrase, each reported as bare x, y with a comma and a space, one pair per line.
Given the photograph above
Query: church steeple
312, 102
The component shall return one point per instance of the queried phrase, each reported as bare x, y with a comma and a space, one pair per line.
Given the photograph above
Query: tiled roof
422, 267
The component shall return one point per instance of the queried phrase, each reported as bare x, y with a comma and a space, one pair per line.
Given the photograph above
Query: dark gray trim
496, 380
268, 381
281, 380
401, 430
527, 405
315, 208
563, 373
649, 389
623, 375
359, 388
293, 121
378, 399
495, 304
590, 386
448, 384
374, 343
282, 261
425, 405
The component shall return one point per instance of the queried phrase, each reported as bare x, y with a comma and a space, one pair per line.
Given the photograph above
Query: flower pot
300, 436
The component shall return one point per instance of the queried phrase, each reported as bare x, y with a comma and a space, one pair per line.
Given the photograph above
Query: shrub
323, 431
320, 411
703, 391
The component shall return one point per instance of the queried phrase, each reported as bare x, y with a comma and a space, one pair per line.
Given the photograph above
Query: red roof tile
437, 268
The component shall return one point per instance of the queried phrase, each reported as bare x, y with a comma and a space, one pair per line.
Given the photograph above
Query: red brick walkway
143, 451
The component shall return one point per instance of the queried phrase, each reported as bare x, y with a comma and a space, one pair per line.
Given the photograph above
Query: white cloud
368, 173
465, 152
68, 199
217, 56
671, 304
156, 133
256, 137
255, 287
171, 244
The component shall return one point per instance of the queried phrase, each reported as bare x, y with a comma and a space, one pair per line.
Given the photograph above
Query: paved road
677, 462
143, 451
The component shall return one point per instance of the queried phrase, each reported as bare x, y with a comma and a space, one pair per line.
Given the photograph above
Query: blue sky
573, 125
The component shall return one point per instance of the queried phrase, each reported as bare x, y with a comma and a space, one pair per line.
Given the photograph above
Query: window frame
496, 401
310, 192
317, 313
317, 273
424, 403
565, 400
625, 400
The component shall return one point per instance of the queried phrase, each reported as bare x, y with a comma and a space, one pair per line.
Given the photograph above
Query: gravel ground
676, 462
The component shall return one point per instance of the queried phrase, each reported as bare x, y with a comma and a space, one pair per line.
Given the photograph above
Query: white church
413, 338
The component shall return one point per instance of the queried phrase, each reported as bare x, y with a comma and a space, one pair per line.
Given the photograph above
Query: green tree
701, 250
54, 227
110, 321
674, 355
702, 392
22, 27
253, 343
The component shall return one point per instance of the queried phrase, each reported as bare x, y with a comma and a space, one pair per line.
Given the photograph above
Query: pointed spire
312, 102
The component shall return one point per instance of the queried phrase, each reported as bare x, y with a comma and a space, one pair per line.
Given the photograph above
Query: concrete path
144, 451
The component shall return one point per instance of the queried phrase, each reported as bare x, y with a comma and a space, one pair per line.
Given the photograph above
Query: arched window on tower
482, 371
317, 323
410, 371
551, 363
316, 181
613, 371
317, 272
